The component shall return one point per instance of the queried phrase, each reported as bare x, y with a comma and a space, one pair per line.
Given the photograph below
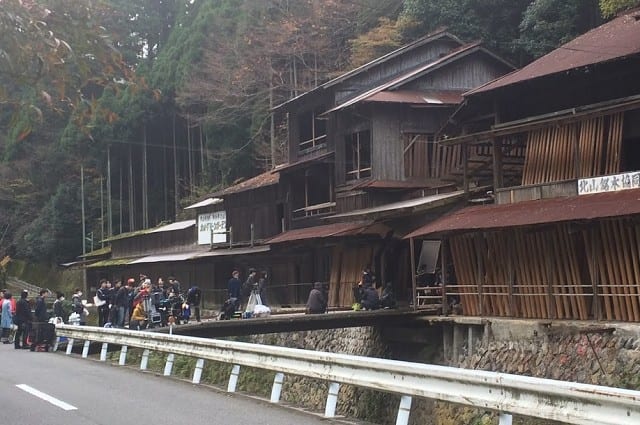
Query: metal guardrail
567, 402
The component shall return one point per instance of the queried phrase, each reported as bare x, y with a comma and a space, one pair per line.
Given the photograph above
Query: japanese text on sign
609, 183
216, 221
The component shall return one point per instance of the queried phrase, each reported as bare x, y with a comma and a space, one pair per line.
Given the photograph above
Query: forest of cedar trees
155, 103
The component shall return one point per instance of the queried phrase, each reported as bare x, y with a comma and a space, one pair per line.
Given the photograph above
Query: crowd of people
141, 304
19, 317
365, 295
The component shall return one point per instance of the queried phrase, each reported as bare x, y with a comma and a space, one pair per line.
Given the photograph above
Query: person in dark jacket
22, 319
370, 299
102, 294
262, 286
234, 287
58, 309
194, 298
41, 307
317, 301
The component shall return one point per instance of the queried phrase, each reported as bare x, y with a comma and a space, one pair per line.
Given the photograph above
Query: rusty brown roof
331, 230
261, 180
320, 156
545, 211
401, 184
426, 97
616, 39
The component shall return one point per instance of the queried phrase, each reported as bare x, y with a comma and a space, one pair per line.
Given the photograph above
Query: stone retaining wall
601, 355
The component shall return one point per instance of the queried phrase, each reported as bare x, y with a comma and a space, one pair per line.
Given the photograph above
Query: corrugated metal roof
205, 203
261, 180
432, 201
411, 75
112, 262
234, 251
331, 230
179, 225
616, 39
97, 252
426, 97
160, 258
400, 184
545, 211
304, 161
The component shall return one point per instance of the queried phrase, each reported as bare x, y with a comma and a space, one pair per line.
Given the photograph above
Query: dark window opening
313, 192
358, 155
313, 131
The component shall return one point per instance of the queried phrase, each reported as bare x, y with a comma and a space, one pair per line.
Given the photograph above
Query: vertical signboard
216, 221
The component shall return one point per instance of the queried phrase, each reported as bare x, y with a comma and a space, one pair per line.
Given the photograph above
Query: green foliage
610, 7
495, 22
54, 232
547, 24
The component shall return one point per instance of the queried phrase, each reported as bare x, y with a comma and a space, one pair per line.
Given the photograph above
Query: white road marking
46, 397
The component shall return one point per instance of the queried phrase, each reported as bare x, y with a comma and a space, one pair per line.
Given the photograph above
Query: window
358, 155
313, 131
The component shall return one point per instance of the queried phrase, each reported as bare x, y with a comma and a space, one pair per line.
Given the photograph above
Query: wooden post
413, 274
465, 167
597, 310
512, 303
497, 163
443, 271
479, 272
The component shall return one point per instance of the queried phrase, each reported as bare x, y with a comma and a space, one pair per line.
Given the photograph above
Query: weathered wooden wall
258, 206
467, 73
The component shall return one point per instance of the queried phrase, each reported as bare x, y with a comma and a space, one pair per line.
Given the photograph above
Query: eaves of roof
613, 40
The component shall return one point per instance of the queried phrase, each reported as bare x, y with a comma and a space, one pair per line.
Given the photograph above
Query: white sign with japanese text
609, 183
216, 221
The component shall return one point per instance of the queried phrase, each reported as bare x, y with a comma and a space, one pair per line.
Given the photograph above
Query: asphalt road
51, 388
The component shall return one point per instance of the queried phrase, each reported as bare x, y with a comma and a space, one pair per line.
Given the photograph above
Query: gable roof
261, 180
416, 73
429, 38
614, 40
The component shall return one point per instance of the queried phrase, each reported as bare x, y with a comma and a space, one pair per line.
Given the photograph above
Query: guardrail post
404, 410
69, 346
505, 419
85, 349
276, 390
145, 359
332, 400
169, 364
197, 372
103, 352
123, 356
233, 379
55, 346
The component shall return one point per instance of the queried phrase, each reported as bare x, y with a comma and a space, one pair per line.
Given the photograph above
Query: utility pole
84, 242
109, 212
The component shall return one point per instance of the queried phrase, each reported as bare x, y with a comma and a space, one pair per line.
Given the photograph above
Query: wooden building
363, 170
361, 150
562, 135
